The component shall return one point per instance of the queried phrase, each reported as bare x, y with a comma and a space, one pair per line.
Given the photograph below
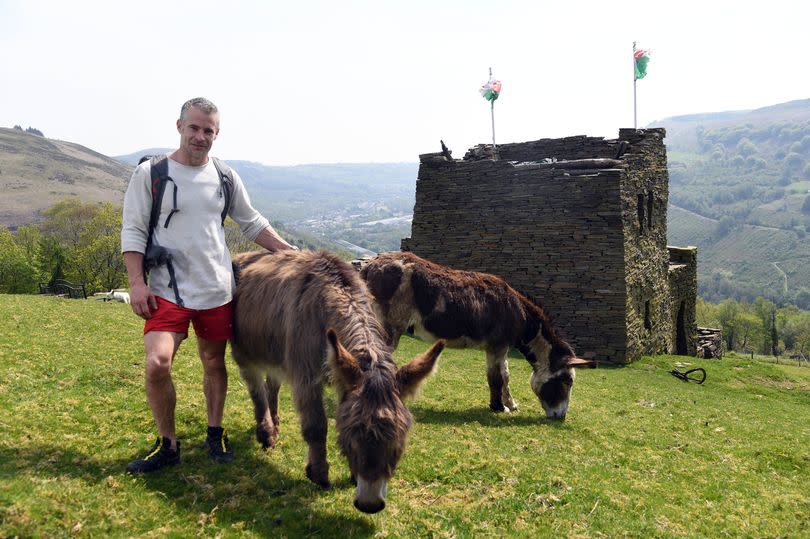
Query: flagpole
492, 112
635, 121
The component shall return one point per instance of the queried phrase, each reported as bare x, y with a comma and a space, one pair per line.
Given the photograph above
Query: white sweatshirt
195, 237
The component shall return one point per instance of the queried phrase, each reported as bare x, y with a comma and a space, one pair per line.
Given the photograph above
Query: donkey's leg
510, 404
500, 398
495, 380
273, 386
266, 432
309, 402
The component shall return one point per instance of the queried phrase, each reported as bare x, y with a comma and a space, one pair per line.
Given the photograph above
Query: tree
17, 276
766, 312
98, 256
738, 161
756, 163
794, 162
81, 241
806, 205
749, 331
802, 298
725, 226
746, 148
727, 316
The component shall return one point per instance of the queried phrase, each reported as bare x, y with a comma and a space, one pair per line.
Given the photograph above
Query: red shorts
211, 324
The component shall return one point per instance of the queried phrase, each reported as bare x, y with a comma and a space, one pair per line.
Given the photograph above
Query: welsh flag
642, 58
491, 90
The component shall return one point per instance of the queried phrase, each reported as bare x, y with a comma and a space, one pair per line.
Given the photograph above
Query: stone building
579, 224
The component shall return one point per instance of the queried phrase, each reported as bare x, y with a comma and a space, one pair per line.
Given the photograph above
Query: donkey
299, 315
474, 310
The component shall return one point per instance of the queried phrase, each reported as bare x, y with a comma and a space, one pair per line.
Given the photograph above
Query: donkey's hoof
320, 478
266, 439
509, 408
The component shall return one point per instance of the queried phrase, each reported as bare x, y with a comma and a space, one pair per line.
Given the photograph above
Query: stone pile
709, 343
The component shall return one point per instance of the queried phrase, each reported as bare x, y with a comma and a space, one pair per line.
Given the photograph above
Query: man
199, 287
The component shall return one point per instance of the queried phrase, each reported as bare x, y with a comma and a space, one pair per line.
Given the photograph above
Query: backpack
156, 255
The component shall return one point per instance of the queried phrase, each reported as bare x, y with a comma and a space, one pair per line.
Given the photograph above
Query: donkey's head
371, 419
552, 379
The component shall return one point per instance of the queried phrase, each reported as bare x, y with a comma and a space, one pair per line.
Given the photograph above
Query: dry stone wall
683, 293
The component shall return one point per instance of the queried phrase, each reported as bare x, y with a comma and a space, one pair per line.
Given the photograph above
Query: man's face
198, 131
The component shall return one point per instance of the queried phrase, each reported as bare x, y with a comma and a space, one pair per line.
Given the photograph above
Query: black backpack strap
173, 282
160, 178
159, 170
159, 165
226, 184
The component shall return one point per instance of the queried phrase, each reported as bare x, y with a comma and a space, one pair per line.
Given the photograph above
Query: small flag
491, 90
642, 58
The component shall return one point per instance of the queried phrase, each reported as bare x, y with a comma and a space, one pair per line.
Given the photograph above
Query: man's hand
142, 300
270, 240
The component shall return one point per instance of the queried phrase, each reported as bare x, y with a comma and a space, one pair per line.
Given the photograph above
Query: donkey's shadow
483, 416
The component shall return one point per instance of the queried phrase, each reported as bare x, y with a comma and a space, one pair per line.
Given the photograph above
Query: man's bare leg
161, 346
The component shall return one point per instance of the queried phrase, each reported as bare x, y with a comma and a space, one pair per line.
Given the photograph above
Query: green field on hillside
743, 260
641, 454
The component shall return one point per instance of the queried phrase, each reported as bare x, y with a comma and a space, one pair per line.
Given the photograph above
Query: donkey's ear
410, 376
579, 363
345, 370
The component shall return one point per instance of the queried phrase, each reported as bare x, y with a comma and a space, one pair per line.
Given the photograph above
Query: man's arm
272, 241
142, 300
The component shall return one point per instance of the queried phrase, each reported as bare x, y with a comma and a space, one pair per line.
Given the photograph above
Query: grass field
641, 454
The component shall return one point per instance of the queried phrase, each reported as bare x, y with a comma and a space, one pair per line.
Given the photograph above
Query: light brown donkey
300, 315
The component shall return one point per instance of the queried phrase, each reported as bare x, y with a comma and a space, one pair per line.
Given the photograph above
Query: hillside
36, 172
747, 173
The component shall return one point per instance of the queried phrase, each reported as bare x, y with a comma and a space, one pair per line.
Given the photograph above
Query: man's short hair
200, 103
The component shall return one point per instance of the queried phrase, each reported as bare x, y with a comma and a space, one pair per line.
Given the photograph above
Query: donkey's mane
360, 332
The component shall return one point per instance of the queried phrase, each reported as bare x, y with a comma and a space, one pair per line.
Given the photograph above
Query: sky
341, 81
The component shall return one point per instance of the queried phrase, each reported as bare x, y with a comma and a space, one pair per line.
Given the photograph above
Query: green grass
641, 454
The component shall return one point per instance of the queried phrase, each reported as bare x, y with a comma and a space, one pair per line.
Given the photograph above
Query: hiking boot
160, 456
219, 448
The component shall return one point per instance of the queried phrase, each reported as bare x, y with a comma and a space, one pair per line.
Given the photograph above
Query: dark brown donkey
300, 315
474, 310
